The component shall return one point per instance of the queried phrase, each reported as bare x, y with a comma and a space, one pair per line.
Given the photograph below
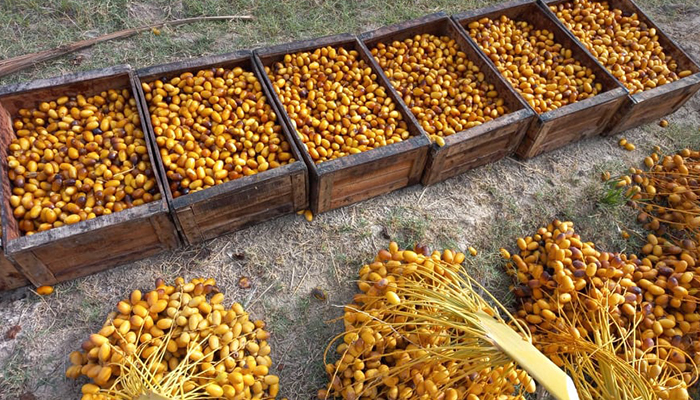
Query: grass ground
31, 25
285, 259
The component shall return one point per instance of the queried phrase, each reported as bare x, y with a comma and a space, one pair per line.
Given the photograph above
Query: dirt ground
286, 258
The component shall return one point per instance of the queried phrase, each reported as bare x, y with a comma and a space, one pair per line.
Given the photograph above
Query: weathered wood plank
300, 190
112, 260
163, 227
207, 211
256, 214
14, 96
97, 247
9, 223
655, 105
70, 231
187, 225
574, 126
276, 205
321, 195
535, 141
585, 122
349, 183
486, 159
34, 269
488, 150
400, 181
10, 275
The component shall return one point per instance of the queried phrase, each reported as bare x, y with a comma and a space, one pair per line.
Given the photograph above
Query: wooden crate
478, 145
649, 105
570, 123
241, 202
361, 176
90, 246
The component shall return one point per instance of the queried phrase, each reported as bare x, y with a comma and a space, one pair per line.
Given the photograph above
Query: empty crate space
79, 193
470, 113
355, 135
572, 94
659, 76
226, 157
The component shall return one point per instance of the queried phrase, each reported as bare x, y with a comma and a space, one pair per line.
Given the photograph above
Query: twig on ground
294, 271
308, 267
421, 195
249, 305
337, 272
528, 167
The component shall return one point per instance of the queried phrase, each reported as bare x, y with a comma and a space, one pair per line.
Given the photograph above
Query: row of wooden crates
76, 250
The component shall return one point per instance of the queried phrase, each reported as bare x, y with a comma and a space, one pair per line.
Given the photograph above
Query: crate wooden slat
572, 122
90, 246
10, 277
355, 177
479, 145
649, 105
239, 203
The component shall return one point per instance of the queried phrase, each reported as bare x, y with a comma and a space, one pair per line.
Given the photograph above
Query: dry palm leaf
420, 328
